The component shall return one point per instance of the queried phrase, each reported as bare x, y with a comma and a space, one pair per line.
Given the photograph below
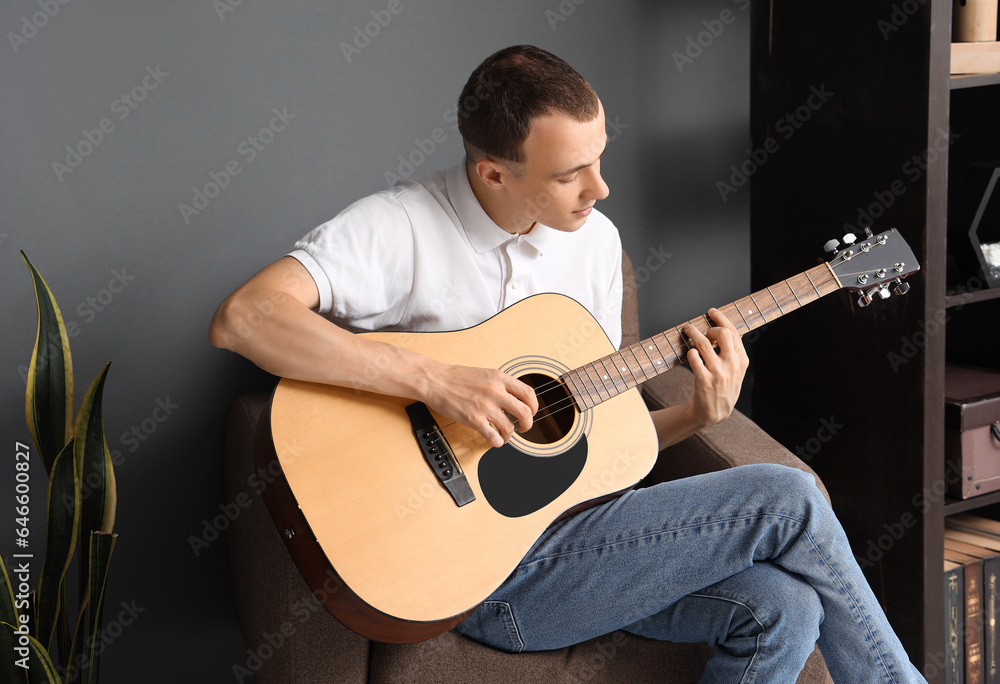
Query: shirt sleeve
362, 263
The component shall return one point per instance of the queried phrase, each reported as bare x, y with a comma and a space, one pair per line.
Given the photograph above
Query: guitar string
556, 383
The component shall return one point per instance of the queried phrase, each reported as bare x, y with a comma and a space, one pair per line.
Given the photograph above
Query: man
750, 560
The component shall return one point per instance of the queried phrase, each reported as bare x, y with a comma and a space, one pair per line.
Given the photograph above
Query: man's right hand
483, 399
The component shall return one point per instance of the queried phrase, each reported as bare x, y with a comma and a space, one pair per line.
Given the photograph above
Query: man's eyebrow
581, 167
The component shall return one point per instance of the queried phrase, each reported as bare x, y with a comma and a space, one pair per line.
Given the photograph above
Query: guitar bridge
438, 454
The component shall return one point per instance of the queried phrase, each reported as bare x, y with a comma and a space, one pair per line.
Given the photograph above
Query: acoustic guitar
402, 523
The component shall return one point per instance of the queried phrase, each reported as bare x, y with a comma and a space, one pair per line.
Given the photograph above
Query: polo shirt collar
483, 233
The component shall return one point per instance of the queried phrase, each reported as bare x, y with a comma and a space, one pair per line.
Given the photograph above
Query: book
972, 599
968, 522
990, 588
954, 623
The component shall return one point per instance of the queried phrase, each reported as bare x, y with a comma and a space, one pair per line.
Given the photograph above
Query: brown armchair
292, 639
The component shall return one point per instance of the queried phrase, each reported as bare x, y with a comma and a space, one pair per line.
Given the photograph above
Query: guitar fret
584, 399
784, 297
792, 290
600, 386
747, 310
617, 381
629, 359
623, 366
607, 379
759, 311
745, 321
676, 356
683, 340
658, 364
776, 302
592, 389
646, 374
806, 274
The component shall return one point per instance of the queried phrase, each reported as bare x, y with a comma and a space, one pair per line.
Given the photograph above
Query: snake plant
37, 643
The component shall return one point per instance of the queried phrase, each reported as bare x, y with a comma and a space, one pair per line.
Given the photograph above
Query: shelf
953, 506
952, 300
959, 81
975, 64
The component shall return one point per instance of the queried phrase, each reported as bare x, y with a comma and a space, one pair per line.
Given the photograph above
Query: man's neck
495, 207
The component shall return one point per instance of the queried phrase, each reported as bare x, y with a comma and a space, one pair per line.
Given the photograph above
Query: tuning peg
865, 300
831, 246
901, 287
868, 232
883, 292
850, 239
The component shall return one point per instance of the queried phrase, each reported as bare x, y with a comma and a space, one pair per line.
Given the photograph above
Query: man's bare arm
271, 321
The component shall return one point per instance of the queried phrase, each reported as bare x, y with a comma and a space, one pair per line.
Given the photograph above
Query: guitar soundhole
556, 410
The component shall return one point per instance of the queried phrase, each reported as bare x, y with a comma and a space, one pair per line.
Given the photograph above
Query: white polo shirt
424, 256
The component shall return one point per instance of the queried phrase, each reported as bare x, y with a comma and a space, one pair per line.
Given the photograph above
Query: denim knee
783, 483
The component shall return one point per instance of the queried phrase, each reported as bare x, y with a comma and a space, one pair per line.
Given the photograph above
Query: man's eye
569, 180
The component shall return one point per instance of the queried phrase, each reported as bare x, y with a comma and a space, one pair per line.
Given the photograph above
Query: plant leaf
48, 399
40, 668
9, 672
98, 494
8, 607
74, 657
102, 545
61, 526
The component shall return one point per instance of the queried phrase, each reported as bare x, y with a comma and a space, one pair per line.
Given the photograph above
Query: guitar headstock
873, 264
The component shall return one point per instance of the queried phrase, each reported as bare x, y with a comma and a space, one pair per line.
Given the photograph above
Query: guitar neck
615, 373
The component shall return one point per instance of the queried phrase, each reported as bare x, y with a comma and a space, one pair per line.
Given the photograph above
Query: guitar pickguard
517, 484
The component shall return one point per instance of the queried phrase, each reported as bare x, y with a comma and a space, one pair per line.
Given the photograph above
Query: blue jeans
750, 560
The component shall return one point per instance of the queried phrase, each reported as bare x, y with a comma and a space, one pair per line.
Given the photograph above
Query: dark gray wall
179, 89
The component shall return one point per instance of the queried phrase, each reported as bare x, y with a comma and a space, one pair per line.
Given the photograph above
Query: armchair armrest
733, 442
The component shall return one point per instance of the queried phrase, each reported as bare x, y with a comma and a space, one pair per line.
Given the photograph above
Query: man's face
560, 179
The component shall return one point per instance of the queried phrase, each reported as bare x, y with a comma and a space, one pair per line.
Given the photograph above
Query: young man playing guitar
751, 560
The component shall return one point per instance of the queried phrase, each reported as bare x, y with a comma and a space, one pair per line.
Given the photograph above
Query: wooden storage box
972, 430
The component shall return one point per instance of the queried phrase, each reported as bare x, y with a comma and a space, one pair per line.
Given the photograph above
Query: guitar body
376, 534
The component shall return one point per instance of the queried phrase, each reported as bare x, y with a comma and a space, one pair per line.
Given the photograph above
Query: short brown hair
508, 90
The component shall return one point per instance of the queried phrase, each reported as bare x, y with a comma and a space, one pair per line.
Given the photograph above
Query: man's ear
492, 173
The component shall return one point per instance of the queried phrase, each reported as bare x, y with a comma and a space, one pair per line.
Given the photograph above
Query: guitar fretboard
615, 373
